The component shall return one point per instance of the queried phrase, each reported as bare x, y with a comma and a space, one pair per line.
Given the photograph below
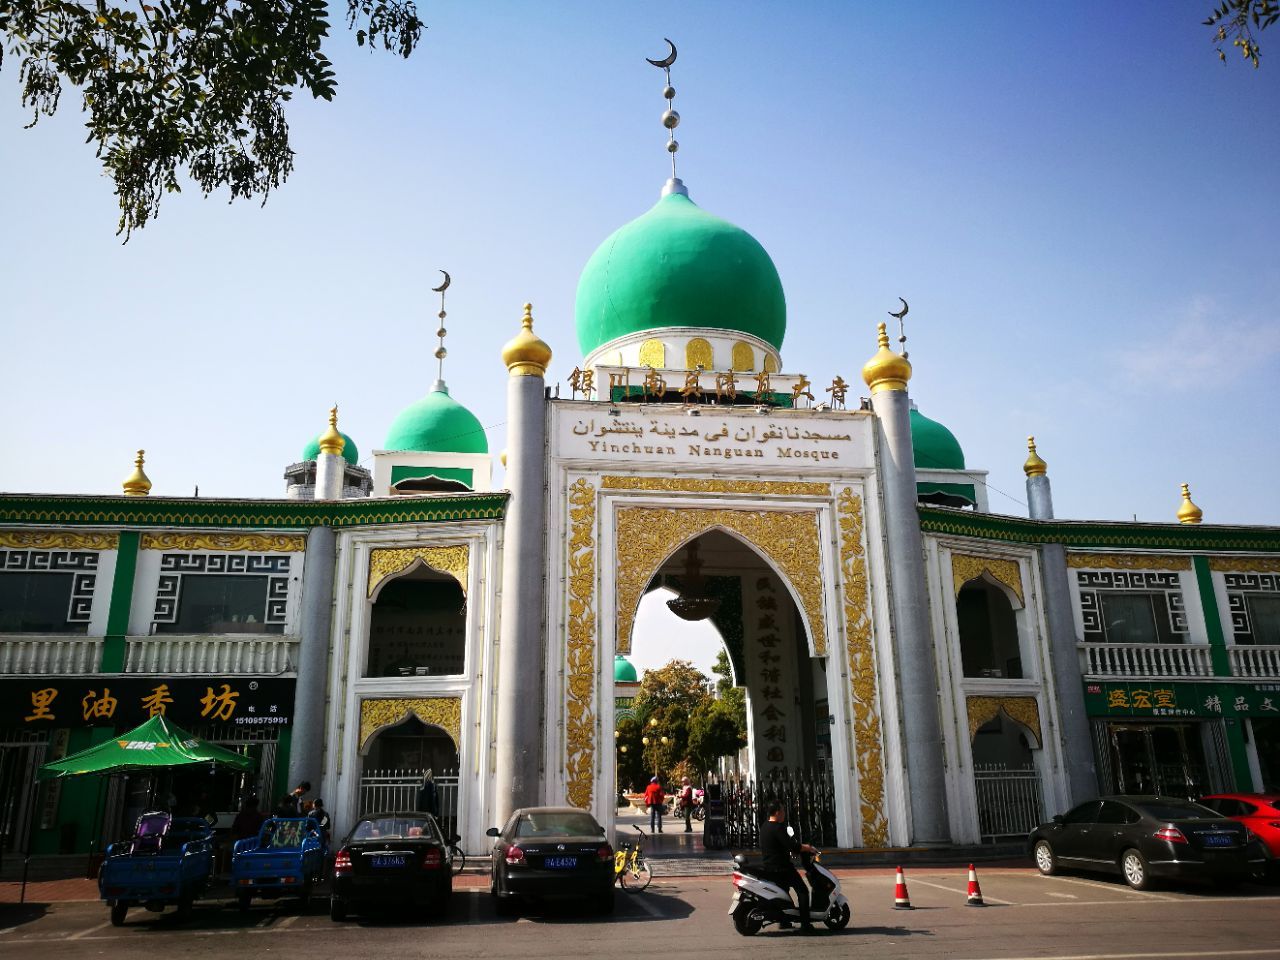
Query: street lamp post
621, 749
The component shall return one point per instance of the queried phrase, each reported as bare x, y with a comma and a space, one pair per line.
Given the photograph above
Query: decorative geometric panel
1259, 582
697, 353
1134, 581
653, 353
744, 358
1239, 611
83, 564
1237, 585
1127, 580
175, 566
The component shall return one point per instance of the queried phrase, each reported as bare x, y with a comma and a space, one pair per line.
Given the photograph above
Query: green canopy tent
156, 745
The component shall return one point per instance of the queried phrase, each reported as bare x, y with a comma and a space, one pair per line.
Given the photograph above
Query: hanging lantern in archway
693, 603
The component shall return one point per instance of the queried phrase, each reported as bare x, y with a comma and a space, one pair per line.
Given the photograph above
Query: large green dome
933, 445
349, 452
439, 424
624, 671
679, 266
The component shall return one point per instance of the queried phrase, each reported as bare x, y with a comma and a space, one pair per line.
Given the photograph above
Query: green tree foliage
716, 729
193, 84
1240, 22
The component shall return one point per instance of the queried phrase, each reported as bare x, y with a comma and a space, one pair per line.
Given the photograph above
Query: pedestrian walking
684, 800
655, 800
429, 795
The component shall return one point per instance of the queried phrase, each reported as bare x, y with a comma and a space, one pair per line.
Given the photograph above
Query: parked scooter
758, 902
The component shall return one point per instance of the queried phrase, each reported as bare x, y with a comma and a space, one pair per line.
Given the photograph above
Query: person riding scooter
777, 844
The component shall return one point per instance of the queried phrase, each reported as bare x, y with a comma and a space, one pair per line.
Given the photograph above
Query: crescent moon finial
444, 286
666, 62
903, 313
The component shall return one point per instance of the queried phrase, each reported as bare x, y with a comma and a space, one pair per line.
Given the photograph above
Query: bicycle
630, 869
459, 858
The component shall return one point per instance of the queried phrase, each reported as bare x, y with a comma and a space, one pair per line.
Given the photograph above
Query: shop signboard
1164, 698
33, 703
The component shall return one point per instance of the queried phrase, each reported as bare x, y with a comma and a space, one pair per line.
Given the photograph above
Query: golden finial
1188, 512
1034, 467
331, 441
503, 457
525, 354
137, 484
886, 370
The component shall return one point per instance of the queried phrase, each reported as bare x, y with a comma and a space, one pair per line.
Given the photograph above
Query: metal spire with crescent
902, 328
441, 352
670, 119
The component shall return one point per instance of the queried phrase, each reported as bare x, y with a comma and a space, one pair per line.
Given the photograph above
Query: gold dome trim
1034, 467
525, 354
1188, 512
886, 370
137, 484
331, 441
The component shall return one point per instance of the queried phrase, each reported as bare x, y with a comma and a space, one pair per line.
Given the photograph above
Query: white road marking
85, 933
963, 893
1097, 884
287, 921
1068, 896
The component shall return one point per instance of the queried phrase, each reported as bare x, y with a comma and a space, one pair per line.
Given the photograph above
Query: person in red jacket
655, 800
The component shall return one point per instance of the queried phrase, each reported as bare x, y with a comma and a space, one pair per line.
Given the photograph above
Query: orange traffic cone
975, 891
901, 901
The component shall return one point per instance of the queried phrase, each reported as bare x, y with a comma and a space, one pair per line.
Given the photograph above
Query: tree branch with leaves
1239, 22
198, 87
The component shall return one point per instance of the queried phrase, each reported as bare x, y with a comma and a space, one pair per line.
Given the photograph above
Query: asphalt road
1059, 918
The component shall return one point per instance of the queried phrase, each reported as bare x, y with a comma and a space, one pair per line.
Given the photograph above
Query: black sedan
1144, 839
392, 858
551, 852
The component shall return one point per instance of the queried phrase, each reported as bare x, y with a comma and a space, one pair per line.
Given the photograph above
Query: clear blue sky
1079, 201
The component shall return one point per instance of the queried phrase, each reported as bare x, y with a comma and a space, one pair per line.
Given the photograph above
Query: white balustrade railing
248, 654
40, 655
1164, 660
1262, 662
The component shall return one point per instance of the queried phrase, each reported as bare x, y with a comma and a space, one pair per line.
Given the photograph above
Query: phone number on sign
261, 719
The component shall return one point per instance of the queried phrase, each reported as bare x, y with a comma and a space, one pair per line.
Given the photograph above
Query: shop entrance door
1158, 758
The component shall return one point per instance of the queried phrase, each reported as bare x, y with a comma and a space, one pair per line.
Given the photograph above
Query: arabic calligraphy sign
837, 441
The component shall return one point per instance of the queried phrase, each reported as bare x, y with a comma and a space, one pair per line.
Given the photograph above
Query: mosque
955, 676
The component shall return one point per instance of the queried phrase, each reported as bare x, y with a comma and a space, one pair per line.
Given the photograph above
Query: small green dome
624, 671
933, 445
349, 452
679, 266
438, 424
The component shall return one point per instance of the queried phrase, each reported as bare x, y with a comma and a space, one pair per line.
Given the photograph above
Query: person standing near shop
654, 799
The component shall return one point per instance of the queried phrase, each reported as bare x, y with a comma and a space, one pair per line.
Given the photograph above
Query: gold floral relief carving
580, 651
965, 568
453, 559
442, 712
653, 353
1245, 564
779, 488
647, 536
743, 358
1024, 710
863, 688
1127, 561
770, 364
248, 542
58, 540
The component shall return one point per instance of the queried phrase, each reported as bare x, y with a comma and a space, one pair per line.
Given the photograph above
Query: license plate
1219, 840
396, 860
560, 863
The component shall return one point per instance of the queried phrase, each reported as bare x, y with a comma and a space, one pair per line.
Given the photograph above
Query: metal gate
1009, 800
388, 790
809, 796
20, 758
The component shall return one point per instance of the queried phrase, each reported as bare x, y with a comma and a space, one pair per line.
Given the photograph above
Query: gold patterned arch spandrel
647, 536
1127, 561
385, 562
965, 568
442, 712
580, 647
1024, 710
863, 686
58, 540
697, 353
248, 542
653, 353
744, 358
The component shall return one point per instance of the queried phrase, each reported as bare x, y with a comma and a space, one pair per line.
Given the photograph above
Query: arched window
418, 628
653, 353
770, 364
744, 358
988, 632
698, 352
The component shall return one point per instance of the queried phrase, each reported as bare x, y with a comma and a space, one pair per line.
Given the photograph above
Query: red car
1260, 812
